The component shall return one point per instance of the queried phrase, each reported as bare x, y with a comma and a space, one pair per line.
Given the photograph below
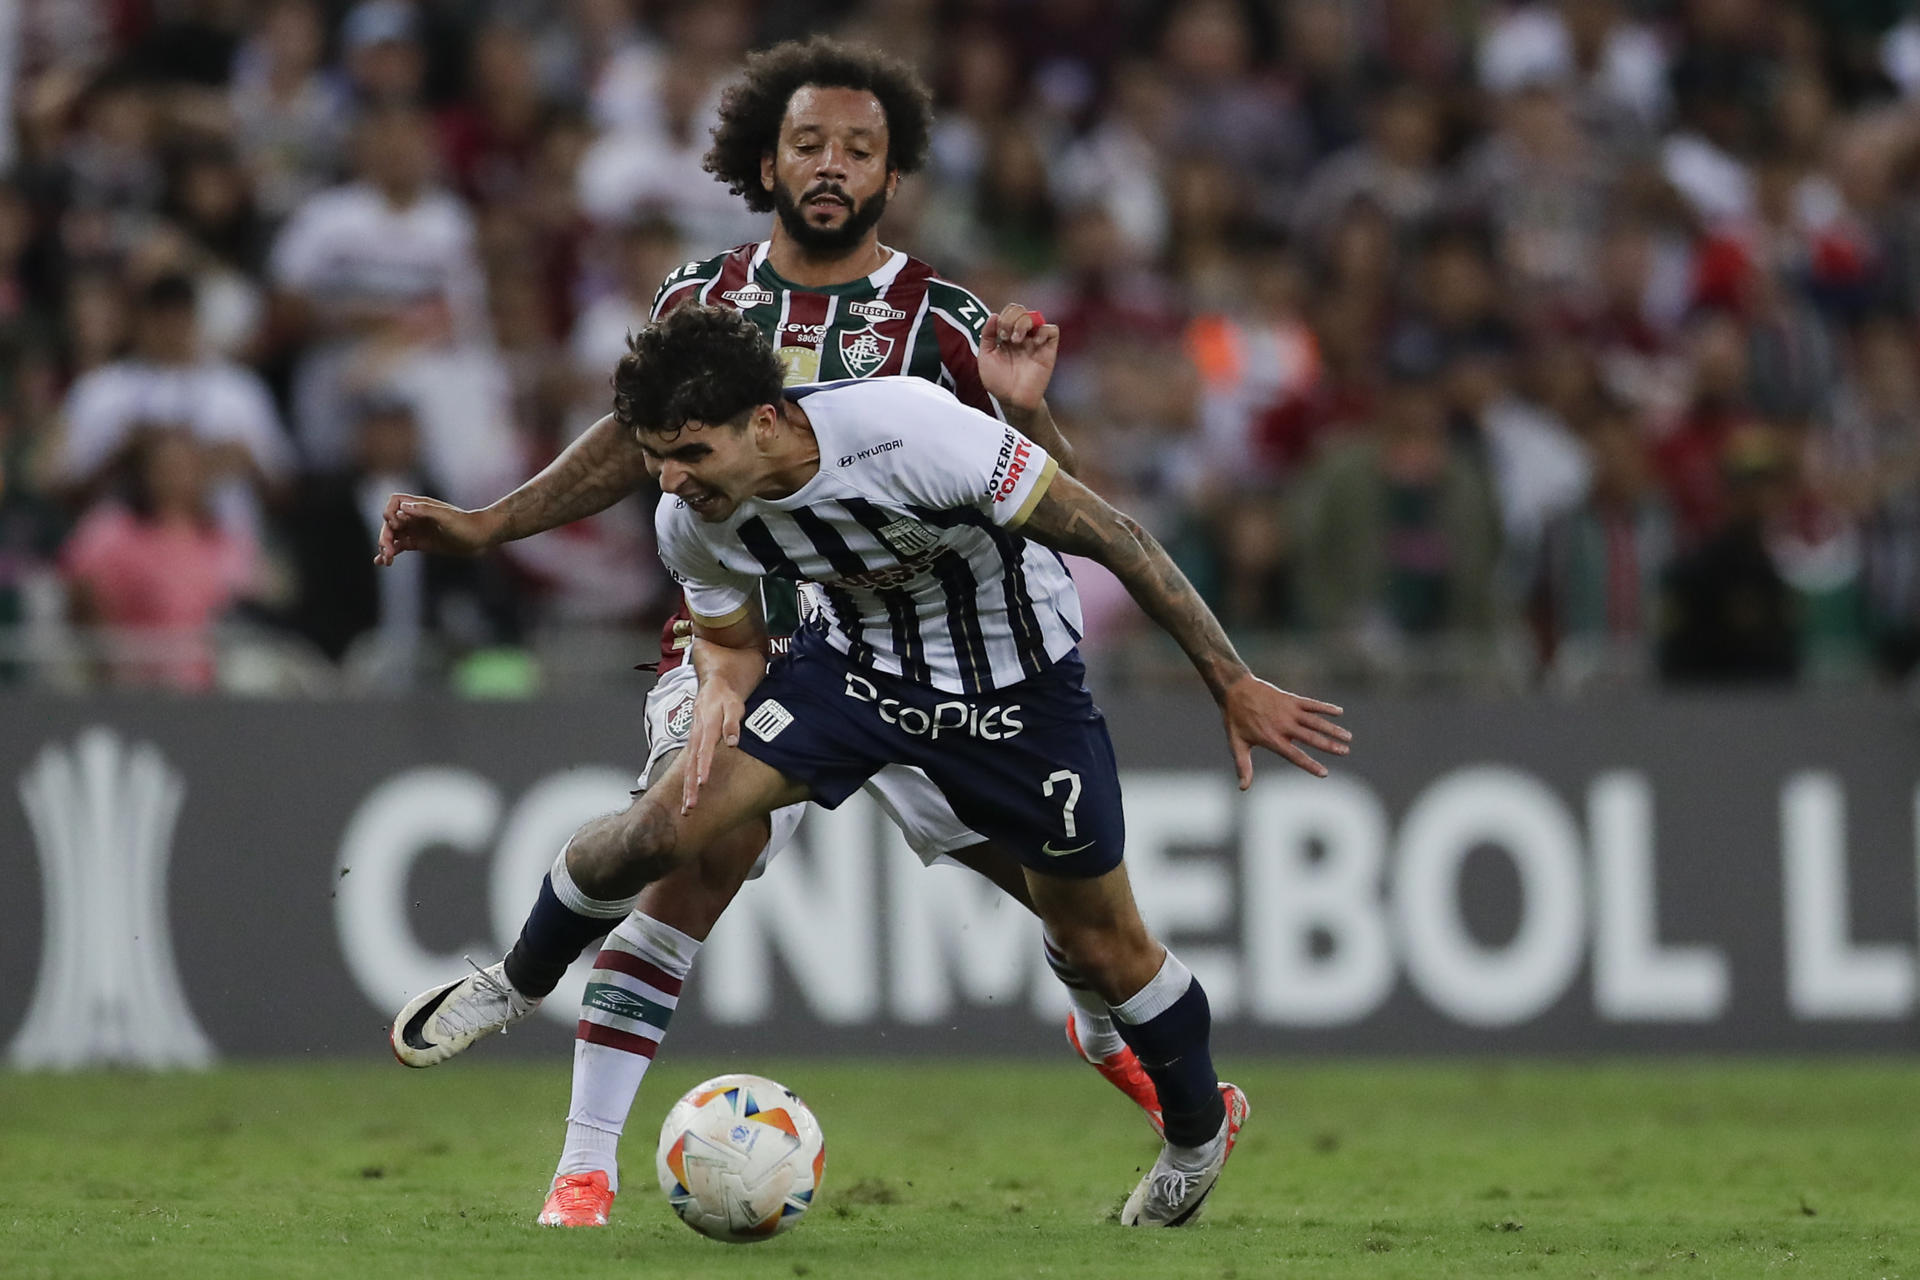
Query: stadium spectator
222, 243
643, 251
387, 626
1538, 467
289, 117
1616, 69
1596, 599
658, 166
109, 166
1230, 110
1542, 188
1260, 373
490, 138
380, 44
32, 526
1866, 461
977, 94
388, 259
1121, 161
155, 568
1691, 452
168, 378
1395, 169
1321, 69
1728, 616
1397, 527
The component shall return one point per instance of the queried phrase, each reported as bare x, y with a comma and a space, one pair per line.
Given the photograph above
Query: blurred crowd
1552, 343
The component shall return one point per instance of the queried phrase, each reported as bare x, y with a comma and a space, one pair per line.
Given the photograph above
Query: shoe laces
576, 1192
469, 1015
1171, 1186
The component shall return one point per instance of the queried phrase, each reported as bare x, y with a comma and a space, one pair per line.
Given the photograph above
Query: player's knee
617, 855
648, 849
1109, 957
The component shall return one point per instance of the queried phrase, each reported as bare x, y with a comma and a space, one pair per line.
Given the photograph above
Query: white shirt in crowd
351, 246
219, 401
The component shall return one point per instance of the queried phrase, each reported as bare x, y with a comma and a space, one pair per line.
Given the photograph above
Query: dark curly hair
699, 364
753, 106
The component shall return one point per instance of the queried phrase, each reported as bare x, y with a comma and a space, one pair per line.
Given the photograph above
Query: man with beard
820, 134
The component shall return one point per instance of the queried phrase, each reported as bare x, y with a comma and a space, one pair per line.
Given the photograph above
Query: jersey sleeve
715, 595
681, 285
955, 456
958, 319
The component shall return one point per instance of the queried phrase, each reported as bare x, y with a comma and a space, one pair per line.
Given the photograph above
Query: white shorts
905, 794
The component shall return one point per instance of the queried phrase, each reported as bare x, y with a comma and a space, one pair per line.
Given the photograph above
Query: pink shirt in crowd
169, 581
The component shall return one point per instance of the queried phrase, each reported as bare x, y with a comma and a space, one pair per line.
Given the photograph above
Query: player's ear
766, 170
761, 423
893, 181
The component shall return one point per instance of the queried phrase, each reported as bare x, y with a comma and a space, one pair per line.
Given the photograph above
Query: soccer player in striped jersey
818, 134
945, 638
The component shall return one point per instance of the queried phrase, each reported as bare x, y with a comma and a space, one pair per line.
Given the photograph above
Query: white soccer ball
740, 1158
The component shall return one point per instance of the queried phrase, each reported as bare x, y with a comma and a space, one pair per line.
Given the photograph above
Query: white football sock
1094, 1024
631, 996
1092, 1020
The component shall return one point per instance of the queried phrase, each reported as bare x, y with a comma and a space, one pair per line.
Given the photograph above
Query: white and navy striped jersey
910, 531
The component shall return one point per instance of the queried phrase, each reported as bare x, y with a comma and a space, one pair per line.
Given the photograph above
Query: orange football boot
578, 1200
1124, 1072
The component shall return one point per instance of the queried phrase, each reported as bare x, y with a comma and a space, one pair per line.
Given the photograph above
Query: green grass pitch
985, 1169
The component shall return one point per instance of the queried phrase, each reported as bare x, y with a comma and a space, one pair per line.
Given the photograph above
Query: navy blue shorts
1029, 766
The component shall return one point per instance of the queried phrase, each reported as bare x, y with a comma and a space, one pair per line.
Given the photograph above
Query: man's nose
671, 475
833, 162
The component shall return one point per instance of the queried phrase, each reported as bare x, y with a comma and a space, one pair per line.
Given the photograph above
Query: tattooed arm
1038, 425
603, 466
1071, 518
1016, 359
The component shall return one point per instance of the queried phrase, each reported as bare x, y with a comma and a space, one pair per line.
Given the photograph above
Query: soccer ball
740, 1158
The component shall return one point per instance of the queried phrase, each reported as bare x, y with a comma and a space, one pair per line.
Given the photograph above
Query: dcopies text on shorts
990, 724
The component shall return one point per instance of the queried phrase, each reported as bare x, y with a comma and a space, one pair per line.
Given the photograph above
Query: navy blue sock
552, 939
1172, 1048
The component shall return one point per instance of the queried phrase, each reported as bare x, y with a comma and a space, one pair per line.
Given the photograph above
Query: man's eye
862, 155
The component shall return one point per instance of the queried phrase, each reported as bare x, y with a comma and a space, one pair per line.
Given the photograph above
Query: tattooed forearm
1073, 519
1039, 426
603, 466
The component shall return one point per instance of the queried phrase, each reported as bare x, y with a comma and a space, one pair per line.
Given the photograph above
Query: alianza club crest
908, 538
863, 351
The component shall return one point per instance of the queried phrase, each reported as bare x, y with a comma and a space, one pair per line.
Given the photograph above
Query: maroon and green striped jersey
902, 319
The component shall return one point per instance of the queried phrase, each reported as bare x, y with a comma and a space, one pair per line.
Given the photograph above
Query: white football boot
1170, 1195
441, 1021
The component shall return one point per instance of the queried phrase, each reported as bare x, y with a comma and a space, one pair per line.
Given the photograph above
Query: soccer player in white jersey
946, 639
818, 133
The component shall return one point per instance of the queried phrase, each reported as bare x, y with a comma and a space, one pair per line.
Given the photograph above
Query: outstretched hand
414, 523
1017, 352
716, 720
1260, 715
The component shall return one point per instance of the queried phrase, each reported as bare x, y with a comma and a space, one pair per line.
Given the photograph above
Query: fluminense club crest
680, 719
863, 351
